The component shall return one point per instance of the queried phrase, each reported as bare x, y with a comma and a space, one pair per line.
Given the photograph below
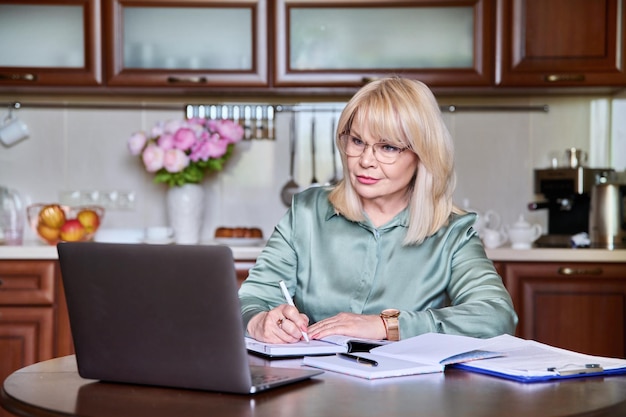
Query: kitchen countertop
36, 250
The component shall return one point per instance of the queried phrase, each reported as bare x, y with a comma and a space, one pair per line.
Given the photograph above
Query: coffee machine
567, 196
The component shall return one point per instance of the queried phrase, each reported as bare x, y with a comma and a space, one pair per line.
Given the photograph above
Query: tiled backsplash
85, 150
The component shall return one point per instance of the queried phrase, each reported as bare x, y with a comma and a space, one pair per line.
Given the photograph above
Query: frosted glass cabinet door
322, 42
49, 42
199, 42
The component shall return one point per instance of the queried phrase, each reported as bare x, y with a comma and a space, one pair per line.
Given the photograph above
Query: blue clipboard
543, 378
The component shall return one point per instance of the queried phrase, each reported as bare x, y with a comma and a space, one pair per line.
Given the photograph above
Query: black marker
358, 359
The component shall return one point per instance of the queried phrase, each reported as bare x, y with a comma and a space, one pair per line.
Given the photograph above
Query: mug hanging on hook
13, 129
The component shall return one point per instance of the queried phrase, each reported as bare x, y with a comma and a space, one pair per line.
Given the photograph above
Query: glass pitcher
12, 217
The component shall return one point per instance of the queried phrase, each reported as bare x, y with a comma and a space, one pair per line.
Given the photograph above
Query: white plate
239, 241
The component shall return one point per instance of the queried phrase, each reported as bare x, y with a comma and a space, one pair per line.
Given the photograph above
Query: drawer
27, 282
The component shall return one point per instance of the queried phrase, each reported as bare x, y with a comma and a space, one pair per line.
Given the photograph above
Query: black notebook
326, 346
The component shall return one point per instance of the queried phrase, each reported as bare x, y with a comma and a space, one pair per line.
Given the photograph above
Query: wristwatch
390, 318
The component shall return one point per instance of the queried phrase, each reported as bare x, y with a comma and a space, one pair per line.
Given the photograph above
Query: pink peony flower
212, 147
175, 160
166, 141
228, 129
171, 126
157, 130
184, 138
136, 143
153, 157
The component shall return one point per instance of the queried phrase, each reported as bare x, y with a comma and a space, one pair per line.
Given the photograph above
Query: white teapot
522, 234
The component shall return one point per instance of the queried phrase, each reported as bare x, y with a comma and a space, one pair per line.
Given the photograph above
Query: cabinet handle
196, 80
580, 271
553, 78
18, 77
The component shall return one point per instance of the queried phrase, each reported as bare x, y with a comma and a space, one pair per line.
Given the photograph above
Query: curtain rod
449, 108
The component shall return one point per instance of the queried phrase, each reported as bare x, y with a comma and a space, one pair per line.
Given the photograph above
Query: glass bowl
56, 223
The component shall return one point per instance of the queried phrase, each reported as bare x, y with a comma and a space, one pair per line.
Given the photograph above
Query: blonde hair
405, 113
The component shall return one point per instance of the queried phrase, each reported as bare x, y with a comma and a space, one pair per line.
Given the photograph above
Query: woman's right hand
283, 324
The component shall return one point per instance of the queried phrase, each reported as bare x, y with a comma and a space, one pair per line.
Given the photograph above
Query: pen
590, 368
358, 359
289, 300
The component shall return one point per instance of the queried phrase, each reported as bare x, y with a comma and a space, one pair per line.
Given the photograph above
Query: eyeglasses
383, 152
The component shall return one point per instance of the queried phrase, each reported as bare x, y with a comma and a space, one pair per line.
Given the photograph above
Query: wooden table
54, 388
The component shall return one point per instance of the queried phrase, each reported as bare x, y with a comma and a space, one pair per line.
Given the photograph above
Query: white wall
496, 153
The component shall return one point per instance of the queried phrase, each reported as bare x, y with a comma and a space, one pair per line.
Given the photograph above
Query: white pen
289, 300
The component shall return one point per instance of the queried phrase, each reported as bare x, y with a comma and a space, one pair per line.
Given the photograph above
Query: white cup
13, 130
159, 234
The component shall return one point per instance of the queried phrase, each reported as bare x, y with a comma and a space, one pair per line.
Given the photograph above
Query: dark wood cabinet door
26, 313
52, 43
183, 44
577, 306
242, 268
561, 43
26, 336
326, 43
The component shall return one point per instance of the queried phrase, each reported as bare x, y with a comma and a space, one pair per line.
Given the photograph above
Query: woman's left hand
349, 324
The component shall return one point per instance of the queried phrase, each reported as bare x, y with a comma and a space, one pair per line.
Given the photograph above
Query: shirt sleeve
278, 261
479, 305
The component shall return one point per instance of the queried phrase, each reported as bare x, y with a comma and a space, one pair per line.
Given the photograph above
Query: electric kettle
607, 216
12, 217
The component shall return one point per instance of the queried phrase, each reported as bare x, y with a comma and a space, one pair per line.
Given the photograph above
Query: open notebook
504, 356
427, 353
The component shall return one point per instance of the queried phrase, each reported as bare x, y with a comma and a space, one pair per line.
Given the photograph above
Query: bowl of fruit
55, 223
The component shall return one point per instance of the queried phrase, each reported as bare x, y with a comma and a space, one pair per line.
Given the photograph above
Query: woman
386, 238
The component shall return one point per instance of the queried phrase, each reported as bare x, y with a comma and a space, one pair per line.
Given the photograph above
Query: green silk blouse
330, 265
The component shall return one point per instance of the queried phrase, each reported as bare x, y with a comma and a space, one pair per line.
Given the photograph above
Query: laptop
165, 315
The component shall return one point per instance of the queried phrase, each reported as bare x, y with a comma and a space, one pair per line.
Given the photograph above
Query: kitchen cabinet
572, 43
33, 318
199, 43
287, 47
324, 43
579, 306
242, 267
50, 43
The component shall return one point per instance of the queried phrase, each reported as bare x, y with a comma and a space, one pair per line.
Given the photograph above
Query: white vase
185, 209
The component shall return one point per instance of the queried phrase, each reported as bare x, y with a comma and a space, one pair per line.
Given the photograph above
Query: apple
89, 219
72, 231
48, 233
52, 215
